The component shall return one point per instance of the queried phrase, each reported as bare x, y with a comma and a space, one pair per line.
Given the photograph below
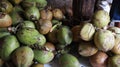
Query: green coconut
41, 40
116, 48
2, 34
114, 61
14, 14
6, 6
28, 24
23, 56
43, 56
27, 36
104, 40
8, 44
100, 19
32, 13
64, 35
68, 60
115, 30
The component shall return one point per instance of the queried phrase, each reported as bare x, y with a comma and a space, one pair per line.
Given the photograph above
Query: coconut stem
55, 26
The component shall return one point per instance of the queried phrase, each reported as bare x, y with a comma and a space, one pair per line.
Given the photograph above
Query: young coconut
116, 48
104, 40
114, 61
43, 56
87, 49
57, 14
115, 30
23, 56
32, 13
6, 6
46, 14
16, 18
51, 36
27, 36
44, 26
2, 34
68, 60
49, 46
41, 40
64, 35
76, 33
8, 44
87, 31
5, 20
28, 24
99, 59
100, 19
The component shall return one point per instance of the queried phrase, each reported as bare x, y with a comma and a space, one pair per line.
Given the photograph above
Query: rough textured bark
80, 9
83, 9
